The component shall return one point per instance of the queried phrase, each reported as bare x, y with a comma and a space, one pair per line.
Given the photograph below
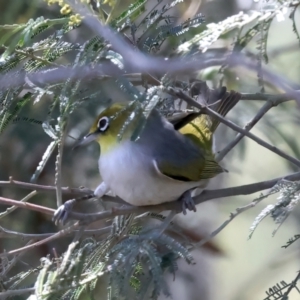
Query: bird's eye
103, 124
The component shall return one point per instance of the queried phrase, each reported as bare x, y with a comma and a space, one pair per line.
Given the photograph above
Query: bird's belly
131, 175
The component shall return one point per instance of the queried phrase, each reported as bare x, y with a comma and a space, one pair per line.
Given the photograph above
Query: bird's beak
85, 140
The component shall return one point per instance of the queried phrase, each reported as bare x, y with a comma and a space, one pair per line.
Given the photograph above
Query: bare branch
53, 237
292, 286
16, 292
127, 209
272, 100
6, 233
45, 188
238, 211
203, 197
13, 261
275, 98
31, 206
11, 209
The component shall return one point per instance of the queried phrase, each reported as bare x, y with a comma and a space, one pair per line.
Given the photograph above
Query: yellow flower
75, 20
66, 9
50, 2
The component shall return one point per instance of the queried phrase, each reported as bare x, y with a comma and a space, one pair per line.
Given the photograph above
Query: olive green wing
211, 168
177, 156
195, 170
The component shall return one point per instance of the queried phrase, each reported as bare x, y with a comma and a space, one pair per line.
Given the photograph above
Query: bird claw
187, 202
61, 215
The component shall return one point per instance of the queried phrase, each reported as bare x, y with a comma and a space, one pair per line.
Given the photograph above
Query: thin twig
276, 98
272, 101
60, 146
30, 206
16, 258
6, 233
51, 238
12, 208
37, 58
292, 286
109, 17
238, 211
45, 188
166, 222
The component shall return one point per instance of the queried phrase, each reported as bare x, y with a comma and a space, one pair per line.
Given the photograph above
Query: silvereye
170, 158
167, 160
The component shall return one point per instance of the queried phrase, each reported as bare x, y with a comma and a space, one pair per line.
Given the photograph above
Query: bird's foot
187, 202
61, 215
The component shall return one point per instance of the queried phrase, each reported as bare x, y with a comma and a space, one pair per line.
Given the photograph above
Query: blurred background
241, 268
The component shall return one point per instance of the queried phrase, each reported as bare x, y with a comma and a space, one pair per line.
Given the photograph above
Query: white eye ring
103, 124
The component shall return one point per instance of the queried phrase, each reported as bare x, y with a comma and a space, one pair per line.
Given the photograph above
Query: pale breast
131, 175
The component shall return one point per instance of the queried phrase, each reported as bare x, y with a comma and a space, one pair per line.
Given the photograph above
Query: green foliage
133, 11
134, 257
143, 258
281, 290
292, 17
288, 199
291, 241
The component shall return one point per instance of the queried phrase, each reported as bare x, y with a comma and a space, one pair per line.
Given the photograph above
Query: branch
16, 292
276, 98
31, 206
12, 208
238, 211
7, 267
272, 100
45, 188
58, 162
6, 233
293, 285
128, 209
175, 205
31, 55
103, 70
207, 110
51, 238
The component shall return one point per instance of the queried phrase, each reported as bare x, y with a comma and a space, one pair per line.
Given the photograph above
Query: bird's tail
227, 102
220, 100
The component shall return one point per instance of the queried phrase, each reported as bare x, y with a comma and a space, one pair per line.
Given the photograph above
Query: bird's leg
101, 190
187, 202
62, 213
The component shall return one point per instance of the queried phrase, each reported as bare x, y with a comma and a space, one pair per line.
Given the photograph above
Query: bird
168, 160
